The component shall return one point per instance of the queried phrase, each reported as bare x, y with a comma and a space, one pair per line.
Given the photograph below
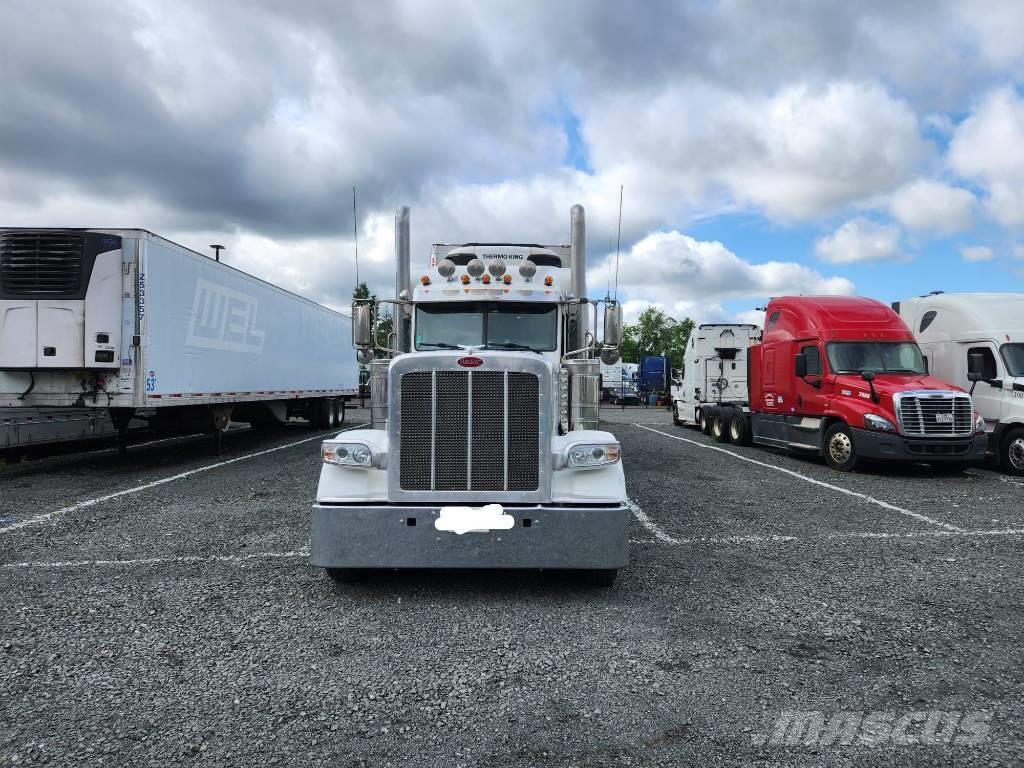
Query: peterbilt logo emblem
470, 362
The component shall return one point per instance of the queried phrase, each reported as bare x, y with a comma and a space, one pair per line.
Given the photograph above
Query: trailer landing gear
121, 418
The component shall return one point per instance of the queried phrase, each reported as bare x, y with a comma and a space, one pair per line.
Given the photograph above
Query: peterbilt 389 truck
484, 449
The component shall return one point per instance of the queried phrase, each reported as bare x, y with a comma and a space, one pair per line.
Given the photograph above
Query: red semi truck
844, 378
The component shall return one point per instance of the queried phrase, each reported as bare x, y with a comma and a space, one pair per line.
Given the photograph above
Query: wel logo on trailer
224, 319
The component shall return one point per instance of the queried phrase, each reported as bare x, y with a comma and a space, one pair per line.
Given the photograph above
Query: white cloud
800, 152
860, 240
989, 146
976, 253
693, 278
932, 206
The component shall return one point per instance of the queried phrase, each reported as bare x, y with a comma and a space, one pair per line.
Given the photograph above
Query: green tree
656, 333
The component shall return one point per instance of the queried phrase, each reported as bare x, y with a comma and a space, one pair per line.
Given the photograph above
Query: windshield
1013, 356
877, 356
493, 325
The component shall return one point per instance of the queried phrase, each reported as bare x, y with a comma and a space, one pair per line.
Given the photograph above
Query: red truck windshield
875, 356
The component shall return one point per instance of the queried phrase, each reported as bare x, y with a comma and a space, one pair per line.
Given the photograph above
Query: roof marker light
508, 279
465, 279
548, 280
425, 280
486, 279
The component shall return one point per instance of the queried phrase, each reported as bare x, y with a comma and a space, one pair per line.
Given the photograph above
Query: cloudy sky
765, 148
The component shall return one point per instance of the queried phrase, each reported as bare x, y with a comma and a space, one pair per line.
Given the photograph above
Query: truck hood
887, 385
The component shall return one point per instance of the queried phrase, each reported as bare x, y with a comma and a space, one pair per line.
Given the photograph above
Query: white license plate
460, 520
944, 418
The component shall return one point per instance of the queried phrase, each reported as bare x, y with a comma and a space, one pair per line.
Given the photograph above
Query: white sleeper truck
125, 322
484, 449
951, 329
715, 374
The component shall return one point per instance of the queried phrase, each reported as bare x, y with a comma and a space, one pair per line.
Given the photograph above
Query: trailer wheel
341, 411
705, 420
840, 452
598, 577
318, 411
335, 413
1011, 455
739, 434
720, 425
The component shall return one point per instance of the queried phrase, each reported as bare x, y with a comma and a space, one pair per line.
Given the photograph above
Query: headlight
349, 454
589, 455
878, 424
979, 422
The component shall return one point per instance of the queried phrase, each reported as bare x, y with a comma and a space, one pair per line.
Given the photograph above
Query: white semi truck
716, 363
126, 322
484, 449
950, 329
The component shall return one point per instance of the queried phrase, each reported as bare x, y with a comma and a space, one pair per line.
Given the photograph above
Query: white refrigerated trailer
125, 321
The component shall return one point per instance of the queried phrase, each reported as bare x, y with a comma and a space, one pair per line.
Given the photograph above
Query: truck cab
844, 377
953, 329
484, 449
715, 372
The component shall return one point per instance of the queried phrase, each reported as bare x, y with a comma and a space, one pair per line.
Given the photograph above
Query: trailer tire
720, 425
839, 449
1011, 453
318, 411
335, 415
739, 432
705, 420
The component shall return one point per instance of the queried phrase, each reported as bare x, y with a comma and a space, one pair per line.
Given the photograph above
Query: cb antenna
355, 233
618, 245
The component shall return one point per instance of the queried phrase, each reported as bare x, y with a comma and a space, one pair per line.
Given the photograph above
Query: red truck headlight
877, 423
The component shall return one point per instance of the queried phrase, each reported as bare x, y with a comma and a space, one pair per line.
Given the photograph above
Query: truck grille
462, 431
41, 263
935, 414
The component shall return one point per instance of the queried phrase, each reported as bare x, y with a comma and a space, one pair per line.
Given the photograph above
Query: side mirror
362, 325
800, 366
975, 367
613, 326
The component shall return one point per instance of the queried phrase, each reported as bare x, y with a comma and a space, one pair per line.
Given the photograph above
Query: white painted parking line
805, 478
646, 522
185, 559
100, 499
880, 535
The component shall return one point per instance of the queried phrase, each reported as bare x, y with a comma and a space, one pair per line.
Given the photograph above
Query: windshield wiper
439, 345
509, 345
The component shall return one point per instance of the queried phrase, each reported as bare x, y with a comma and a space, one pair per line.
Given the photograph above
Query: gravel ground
180, 623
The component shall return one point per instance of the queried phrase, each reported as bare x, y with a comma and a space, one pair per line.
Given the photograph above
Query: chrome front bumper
404, 536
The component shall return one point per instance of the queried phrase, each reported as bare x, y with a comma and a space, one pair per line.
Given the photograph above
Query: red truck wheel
840, 452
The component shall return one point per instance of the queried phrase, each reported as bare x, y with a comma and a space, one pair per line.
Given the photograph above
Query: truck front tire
839, 449
675, 414
1011, 454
